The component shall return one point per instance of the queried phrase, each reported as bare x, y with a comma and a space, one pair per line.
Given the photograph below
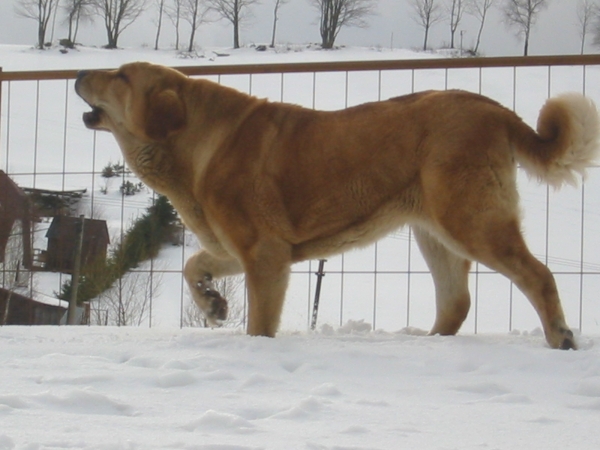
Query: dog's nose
80, 76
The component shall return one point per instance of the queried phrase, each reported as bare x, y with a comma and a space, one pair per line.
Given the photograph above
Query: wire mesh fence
45, 147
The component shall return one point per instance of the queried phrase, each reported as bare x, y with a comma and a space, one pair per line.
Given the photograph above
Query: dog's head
139, 98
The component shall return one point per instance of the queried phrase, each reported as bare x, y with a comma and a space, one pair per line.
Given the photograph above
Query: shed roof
12, 198
65, 227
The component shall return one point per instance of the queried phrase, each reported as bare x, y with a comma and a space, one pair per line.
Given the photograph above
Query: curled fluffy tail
566, 143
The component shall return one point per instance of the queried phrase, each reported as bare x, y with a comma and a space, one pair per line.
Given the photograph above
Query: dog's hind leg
199, 272
450, 275
498, 243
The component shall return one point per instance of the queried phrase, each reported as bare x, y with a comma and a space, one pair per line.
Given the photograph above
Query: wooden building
21, 310
14, 206
62, 243
50, 203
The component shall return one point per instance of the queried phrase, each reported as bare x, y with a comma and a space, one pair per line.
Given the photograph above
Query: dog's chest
151, 164
195, 220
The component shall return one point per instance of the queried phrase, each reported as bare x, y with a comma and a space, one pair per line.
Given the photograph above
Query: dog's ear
165, 114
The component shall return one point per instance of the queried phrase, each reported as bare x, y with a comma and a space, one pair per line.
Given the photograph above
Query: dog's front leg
199, 272
267, 268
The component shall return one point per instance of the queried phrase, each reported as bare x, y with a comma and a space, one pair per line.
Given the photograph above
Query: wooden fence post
1, 77
320, 274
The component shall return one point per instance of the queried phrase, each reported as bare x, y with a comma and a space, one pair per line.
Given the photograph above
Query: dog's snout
80, 76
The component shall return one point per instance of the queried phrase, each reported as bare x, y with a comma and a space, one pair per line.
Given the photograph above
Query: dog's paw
212, 304
567, 340
561, 337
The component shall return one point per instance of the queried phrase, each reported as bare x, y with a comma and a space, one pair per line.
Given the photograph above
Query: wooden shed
14, 206
21, 310
62, 243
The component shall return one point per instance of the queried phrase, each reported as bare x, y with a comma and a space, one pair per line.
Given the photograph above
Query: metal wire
581, 269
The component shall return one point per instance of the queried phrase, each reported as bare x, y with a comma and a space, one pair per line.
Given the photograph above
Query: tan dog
264, 185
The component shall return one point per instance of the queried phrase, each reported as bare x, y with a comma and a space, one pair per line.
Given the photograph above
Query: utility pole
72, 312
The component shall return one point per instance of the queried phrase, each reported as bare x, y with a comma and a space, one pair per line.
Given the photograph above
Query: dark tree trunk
236, 25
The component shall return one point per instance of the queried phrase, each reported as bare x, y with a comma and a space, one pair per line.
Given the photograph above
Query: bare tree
76, 11
160, 4
234, 11
117, 16
456, 9
522, 15
127, 302
335, 14
195, 12
54, 21
278, 4
479, 10
428, 13
587, 13
13, 275
174, 10
41, 12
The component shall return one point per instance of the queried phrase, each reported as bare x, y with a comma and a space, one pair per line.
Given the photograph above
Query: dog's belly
358, 234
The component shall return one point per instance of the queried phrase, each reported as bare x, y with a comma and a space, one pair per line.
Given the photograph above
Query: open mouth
92, 118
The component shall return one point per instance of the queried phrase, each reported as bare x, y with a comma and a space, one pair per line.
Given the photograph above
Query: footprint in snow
10, 402
181, 364
78, 401
305, 409
326, 390
356, 429
257, 379
509, 399
218, 375
256, 412
544, 421
218, 422
85, 380
6, 443
484, 388
591, 405
589, 387
175, 379
291, 366
146, 362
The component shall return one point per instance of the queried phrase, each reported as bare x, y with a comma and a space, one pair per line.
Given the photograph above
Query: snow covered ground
133, 388
343, 387
20, 57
